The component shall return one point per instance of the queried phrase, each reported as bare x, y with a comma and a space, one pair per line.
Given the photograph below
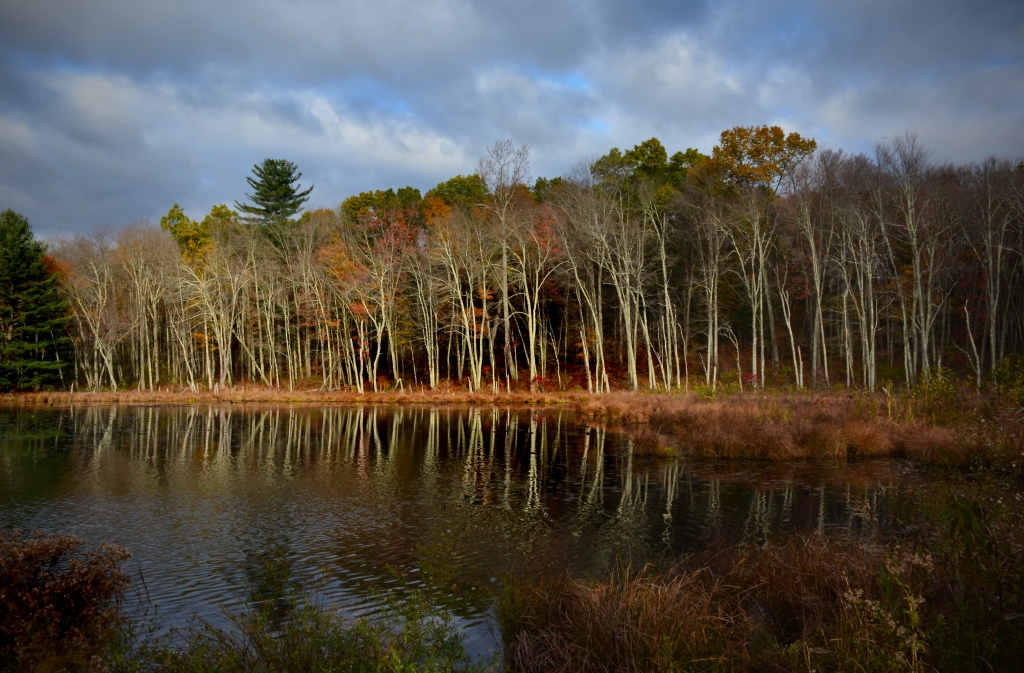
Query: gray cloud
113, 110
306, 40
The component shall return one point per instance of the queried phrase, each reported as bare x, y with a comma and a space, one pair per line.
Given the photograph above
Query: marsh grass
827, 602
774, 427
944, 591
258, 395
935, 423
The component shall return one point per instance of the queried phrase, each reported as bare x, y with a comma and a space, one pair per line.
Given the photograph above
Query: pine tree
275, 193
33, 315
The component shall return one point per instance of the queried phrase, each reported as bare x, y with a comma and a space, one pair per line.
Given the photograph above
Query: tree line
768, 262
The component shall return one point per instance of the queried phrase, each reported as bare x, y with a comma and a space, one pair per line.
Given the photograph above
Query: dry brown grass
731, 609
869, 438
932, 444
777, 427
621, 625
648, 442
941, 591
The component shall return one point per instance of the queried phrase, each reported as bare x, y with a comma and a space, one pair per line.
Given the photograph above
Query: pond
210, 499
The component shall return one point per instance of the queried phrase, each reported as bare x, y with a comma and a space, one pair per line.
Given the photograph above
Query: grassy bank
310, 396
949, 430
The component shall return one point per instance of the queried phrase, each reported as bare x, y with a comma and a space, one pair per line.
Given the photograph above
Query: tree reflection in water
209, 497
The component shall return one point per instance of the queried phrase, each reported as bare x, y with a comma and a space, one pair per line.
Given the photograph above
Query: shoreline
771, 426
261, 395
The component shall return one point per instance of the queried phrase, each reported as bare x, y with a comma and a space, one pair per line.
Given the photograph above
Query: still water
207, 498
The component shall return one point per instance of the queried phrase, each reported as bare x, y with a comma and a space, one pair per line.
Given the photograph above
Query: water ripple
210, 500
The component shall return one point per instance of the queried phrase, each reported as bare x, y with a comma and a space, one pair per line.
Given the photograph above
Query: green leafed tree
469, 191
680, 163
379, 201
647, 161
276, 193
33, 315
542, 188
195, 238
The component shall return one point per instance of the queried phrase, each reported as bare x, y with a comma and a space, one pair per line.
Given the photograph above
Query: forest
770, 262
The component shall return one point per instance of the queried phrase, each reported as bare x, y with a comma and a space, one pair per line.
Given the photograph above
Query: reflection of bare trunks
670, 481
353, 489
534, 473
757, 527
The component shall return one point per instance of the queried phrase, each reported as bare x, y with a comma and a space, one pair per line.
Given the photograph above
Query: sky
111, 111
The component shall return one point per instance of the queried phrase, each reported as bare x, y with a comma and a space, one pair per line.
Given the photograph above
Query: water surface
208, 498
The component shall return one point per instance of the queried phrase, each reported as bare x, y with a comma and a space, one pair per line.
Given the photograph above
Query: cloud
972, 115
113, 110
305, 41
109, 149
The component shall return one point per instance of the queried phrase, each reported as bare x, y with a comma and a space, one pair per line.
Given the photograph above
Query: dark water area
339, 498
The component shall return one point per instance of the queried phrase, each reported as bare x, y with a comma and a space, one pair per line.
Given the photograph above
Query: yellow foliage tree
760, 156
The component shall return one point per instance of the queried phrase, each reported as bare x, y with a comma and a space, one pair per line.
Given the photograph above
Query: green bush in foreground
1009, 378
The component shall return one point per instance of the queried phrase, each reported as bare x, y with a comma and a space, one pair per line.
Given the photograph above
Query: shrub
59, 606
938, 397
974, 594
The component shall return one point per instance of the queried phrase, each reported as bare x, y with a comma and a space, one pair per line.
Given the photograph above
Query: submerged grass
410, 635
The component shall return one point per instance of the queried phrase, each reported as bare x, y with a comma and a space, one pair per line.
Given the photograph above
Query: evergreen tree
33, 315
275, 193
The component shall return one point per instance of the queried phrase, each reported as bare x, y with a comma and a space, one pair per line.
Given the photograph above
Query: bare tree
103, 316
505, 169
